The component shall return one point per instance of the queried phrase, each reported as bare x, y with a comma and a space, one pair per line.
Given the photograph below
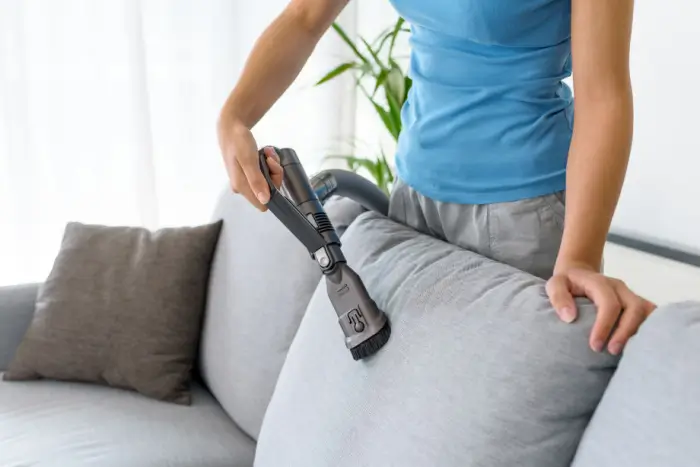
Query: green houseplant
380, 79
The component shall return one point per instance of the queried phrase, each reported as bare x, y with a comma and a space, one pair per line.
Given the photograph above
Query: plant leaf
395, 84
380, 80
378, 168
394, 111
381, 37
388, 167
388, 120
373, 54
387, 176
407, 86
349, 42
384, 114
384, 40
389, 35
381, 172
367, 69
397, 28
355, 163
337, 71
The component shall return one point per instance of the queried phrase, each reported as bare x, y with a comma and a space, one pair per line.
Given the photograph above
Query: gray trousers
525, 234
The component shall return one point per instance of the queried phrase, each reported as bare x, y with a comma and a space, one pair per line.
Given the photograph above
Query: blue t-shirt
488, 118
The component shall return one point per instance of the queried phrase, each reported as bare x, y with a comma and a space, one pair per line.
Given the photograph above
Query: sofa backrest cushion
650, 414
479, 371
261, 281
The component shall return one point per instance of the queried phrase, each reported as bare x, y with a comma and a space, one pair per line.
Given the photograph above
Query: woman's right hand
240, 153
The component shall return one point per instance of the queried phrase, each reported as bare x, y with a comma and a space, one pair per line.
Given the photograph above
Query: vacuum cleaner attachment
365, 326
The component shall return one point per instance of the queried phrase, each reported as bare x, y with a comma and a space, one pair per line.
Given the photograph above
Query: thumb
559, 292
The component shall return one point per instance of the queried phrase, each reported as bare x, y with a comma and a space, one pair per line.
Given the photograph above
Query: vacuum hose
365, 326
349, 185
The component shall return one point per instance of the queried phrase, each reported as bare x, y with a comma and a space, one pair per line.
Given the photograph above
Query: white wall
661, 197
658, 279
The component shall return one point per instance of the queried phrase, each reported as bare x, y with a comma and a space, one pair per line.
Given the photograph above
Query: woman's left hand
618, 307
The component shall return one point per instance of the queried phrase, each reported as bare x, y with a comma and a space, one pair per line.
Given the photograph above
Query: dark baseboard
674, 254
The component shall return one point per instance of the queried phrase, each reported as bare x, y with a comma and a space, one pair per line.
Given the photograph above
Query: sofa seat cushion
478, 371
77, 425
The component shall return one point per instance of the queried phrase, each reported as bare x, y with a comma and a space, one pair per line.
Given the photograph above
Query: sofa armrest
16, 311
649, 413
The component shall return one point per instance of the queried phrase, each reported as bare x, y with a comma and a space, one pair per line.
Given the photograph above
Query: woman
489, 143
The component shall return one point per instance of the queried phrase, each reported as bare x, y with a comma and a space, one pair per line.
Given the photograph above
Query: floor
657, 279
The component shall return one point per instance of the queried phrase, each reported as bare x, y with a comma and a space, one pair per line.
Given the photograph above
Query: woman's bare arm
278, 56
603, 122
598, 159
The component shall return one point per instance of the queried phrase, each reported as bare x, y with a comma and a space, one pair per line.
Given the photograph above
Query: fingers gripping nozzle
297, 205
301, 211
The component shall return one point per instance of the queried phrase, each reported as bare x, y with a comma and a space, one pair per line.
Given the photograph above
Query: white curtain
108, 112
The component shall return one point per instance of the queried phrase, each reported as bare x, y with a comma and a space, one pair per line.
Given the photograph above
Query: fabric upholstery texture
53, 423
16, 310
479, 371
122, 306
650, 413
262, 279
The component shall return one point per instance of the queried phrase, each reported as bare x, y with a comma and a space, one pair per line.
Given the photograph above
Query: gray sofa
478, 371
